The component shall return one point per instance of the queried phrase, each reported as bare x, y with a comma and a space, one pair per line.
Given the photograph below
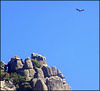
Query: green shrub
17, 86
27, 85
36, 63
17, 79
4, 75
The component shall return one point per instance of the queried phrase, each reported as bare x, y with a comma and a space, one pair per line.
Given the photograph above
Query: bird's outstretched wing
80, 9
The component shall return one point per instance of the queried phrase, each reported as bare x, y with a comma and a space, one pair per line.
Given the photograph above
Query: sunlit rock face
28, 64
7, 86
56, 83
39, 58
39, 78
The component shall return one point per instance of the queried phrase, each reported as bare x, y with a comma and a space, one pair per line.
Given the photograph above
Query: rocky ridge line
40, 78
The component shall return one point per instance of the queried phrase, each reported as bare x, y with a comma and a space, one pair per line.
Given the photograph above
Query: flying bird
80, 10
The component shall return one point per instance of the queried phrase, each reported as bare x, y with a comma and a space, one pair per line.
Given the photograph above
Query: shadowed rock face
3, 66
40, 85
43, 78
14, 64
47, 71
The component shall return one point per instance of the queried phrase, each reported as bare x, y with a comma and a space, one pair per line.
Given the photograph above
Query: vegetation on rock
26, 86
4, 75
36, 63
17, 79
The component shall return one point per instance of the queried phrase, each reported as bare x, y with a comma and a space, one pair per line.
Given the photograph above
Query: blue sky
55, 29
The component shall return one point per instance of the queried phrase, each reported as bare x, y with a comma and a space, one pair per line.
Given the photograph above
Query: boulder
47, 71
61, 76
3, 66
67, 87
26, 72
28, 64
40, 85
56, 83
54, 71
7, 85
58, 72
14, 64
39, 58
39, 73
31, 73
19, 64
33, 82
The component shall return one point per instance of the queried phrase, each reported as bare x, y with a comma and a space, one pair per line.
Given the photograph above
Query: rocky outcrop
28, 73
38, 57
32, 73
39, 73
3, 66
33, 82
14, 64
28, 63
54, 71
47, 71
40, 78
40, 85
56, 83
7, 85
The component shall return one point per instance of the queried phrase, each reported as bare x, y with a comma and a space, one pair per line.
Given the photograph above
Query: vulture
80, 10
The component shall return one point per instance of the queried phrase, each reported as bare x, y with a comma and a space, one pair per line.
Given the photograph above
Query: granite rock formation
7, 85
40, 59
39, 78
3, 66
